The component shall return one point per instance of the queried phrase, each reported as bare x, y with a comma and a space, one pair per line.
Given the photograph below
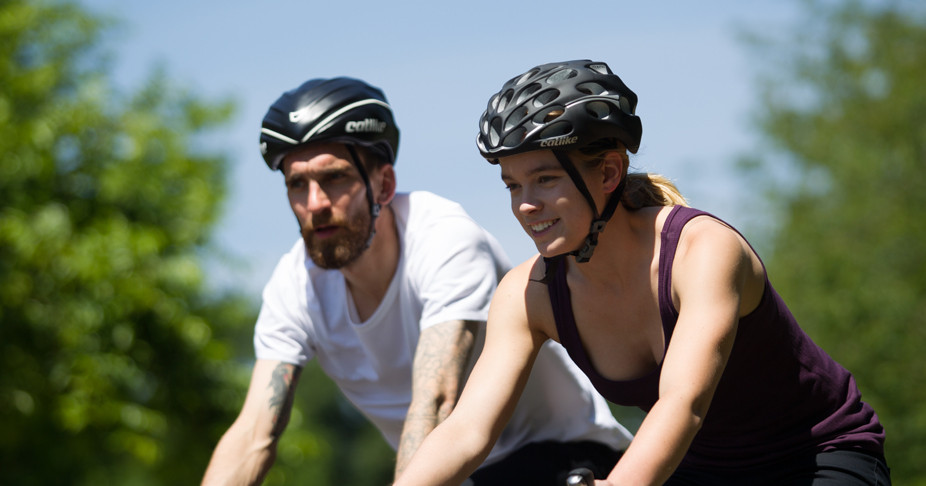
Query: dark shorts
836, 468
547, 463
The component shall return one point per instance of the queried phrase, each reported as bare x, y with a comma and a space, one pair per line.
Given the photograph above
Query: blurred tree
114, 355
844, 114
117, 360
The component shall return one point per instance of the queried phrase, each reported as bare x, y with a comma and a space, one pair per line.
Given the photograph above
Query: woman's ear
387, 184
612, 170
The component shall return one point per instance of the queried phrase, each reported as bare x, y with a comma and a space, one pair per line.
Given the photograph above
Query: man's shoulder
426, 202
295, 257
424, 213
439, 226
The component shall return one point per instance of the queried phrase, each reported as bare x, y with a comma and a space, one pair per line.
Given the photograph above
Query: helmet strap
374, 207
584, 254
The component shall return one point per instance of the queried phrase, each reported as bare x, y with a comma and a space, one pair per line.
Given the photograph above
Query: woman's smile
540, 228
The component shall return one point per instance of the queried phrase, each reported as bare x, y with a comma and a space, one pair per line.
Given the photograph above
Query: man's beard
342, 249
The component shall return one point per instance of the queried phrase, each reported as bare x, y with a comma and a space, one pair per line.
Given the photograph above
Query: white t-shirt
448, 269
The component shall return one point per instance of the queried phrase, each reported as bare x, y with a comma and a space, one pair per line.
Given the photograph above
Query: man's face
328, 197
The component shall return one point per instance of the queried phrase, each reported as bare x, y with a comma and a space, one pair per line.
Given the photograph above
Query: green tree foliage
118, 364
844, 112
115, 367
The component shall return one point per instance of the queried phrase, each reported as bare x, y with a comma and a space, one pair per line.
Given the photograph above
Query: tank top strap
560, 301
678, 217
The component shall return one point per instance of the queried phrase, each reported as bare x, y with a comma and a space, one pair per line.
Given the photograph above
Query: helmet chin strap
375, 208
584, 253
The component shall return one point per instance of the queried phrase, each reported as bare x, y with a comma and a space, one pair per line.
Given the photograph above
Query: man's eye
335, 178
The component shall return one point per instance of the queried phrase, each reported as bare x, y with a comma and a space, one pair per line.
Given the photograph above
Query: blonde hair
642, 189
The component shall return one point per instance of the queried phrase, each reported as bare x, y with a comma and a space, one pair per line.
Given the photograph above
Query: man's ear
387, 185
612, 170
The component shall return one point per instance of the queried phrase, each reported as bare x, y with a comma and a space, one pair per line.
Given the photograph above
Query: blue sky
438, 63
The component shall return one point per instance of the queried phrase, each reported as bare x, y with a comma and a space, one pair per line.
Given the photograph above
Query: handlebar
580, 477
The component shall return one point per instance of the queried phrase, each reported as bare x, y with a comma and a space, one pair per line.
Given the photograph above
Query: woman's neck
628, 241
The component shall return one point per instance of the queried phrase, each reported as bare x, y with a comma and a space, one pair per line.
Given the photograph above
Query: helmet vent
494, 130
505, 99
515, 137
547, 116
526, 76
590, 88
561, 75
598, 109
557, 129
527, 92
494, 101
546, 97
515, 117
625, 106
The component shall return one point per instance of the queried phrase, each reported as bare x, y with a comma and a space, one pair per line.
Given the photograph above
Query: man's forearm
234, 463
248, 449
438, 373
417, 426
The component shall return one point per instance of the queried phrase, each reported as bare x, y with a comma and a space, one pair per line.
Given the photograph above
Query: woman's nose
528, 203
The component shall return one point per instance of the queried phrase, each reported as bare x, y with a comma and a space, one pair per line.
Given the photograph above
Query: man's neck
368, 277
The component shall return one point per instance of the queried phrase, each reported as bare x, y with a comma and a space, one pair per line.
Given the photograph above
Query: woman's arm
714, 275
460, 443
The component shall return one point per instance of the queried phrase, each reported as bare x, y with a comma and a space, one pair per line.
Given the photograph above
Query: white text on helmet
368, 125
556, 142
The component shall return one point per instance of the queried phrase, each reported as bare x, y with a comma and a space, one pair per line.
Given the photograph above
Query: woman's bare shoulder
518, 278
523, 294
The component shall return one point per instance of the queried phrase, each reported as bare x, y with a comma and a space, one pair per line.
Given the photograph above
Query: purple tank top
780, 393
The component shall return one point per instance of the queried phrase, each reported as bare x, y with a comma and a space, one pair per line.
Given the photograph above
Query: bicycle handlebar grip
580, 477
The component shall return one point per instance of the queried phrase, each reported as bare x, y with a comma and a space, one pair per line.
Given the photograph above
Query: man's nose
317, 199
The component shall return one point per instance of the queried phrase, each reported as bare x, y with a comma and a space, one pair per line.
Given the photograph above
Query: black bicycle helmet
562, 107
342, 110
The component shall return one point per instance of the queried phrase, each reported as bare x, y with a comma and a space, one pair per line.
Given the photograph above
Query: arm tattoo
441, 362
439, 369
281, 402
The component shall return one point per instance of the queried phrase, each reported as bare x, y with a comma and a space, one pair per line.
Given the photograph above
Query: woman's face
546, 202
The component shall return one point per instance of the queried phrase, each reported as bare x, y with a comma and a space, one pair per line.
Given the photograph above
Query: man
390, 293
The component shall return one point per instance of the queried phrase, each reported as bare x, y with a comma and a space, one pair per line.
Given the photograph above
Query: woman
664, 307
